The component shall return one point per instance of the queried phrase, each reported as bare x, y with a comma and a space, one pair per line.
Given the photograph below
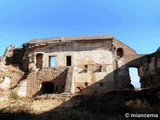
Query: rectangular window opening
52, 61
68, 60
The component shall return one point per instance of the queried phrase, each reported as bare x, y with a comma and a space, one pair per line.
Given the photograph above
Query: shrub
14, 95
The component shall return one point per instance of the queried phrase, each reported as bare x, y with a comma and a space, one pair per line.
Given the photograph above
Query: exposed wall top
68, 39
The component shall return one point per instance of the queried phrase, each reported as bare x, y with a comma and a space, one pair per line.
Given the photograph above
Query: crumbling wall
10, 79
148, 70
127, 50
81, 52
97, 66
13, 56
25, 61
93, 78
14, 74
151, 70
11, 71
90, 52
121, 72
21, 89
121, 52
5, 83
57, 76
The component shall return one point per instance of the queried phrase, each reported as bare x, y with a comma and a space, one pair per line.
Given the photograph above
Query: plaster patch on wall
6, 83
22, 89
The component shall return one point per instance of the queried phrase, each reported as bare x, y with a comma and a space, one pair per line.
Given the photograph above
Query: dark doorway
39, 60
68, 60
47, 88
52, 61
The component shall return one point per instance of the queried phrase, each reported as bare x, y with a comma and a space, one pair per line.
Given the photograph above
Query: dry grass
110, 106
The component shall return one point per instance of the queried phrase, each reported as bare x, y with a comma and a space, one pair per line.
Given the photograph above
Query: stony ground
35, 105
112, 105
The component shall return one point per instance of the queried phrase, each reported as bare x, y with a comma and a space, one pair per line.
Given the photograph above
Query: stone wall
127, 50
95, 65
93, 78
94, 54
151, 73
57, 76
81, 52
122, 54
10, 80
13, 56
14, 74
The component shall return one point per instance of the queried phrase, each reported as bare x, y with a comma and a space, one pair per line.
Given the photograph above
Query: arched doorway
47, 88
134, 77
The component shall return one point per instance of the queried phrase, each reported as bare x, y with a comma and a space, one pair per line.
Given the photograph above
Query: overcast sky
134, 22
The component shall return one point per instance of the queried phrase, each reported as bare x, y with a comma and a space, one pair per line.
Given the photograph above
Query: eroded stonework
88, 65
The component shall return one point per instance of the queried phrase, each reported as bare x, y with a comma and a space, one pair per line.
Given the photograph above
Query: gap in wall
135, 79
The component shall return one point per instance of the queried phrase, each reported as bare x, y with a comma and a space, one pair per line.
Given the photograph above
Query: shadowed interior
47, 88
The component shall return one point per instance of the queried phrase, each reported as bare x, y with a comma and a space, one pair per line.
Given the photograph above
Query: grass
14, 95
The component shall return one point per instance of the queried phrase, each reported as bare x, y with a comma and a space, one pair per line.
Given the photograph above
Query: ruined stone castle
89, 65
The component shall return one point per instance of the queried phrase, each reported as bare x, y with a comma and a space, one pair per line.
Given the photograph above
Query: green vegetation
14, 95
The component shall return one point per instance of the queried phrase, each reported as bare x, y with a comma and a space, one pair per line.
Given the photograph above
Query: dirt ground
113, 105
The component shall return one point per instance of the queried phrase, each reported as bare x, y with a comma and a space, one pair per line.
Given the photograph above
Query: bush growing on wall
14, 95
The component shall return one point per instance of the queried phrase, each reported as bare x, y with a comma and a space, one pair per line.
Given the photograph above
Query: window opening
133, 72
68, 60
120, 52
52, 61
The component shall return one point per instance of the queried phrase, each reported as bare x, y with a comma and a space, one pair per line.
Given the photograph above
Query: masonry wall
127, 49
93, 66
121, 68
35, 80
97, 65
95, 79
81, 52
92, 61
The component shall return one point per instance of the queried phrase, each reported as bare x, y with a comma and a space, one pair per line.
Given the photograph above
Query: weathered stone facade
89, 65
